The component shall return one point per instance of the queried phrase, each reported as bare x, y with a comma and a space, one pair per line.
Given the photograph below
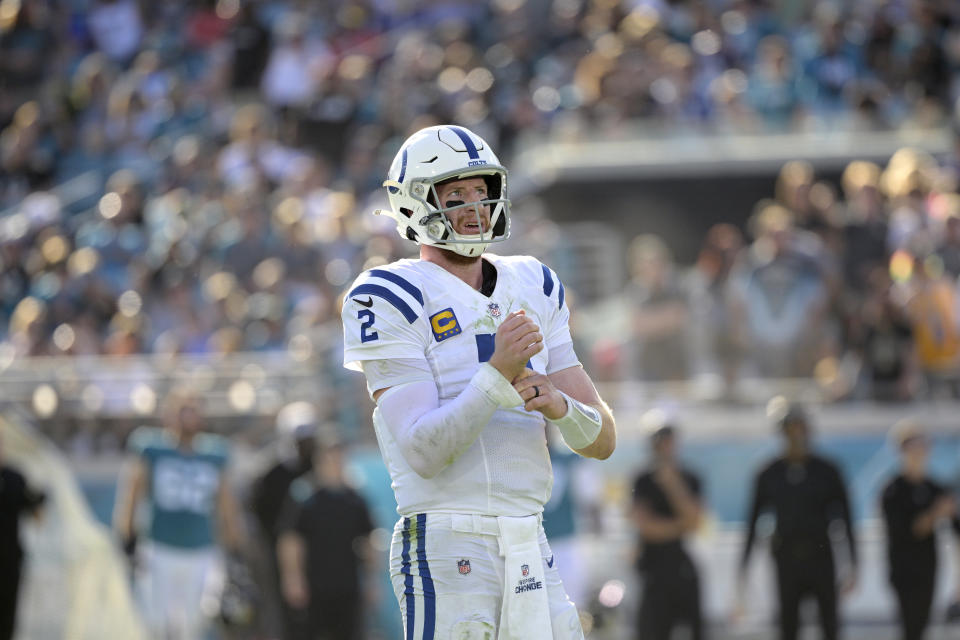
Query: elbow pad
580, 426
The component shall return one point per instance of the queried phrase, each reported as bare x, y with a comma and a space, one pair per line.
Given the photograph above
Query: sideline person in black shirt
270, 494
913, 507
323, 549
807, 494
666, 509
16, 499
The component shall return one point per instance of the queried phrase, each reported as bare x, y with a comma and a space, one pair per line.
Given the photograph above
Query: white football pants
448, 576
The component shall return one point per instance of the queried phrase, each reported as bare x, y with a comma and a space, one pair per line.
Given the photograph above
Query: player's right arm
758, 504
387, 336
131, 491
430, 435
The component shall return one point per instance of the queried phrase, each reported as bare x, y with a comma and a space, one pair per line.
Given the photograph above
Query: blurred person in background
807, 494
865, 229
250, 41
882, 334
831, 69
782, 294
270, 495
667, 509
948, 249
296, 66
17, 498
793, 190
255, 157
717, 343
907, 181
914, 507
932, 309
180, 472
116, 27
326, 560
863, 257
772, 89
660, 313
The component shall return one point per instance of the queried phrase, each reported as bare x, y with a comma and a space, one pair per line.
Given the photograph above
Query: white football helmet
434, 155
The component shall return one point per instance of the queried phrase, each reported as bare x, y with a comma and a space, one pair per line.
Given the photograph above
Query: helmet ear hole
411, 234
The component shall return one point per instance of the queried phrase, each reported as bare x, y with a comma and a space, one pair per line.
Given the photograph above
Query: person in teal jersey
179, 473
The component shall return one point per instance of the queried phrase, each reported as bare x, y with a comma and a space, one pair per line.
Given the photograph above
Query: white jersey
417, 310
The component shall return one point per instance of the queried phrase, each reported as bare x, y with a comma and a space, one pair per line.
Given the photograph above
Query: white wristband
580, 426
493, 385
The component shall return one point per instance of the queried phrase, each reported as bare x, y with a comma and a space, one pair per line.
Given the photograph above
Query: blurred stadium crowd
196, 177
857, 289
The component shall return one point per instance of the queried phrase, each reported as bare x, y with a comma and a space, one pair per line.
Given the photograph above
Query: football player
179, 472
466, 355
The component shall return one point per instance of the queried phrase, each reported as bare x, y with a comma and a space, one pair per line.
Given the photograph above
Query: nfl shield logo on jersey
525, 569
493, 309
463, 566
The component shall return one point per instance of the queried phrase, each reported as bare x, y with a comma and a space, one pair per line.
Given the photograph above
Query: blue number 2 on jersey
368, 336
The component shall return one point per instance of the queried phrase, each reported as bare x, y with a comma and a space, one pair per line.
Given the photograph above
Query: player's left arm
569, 399
849, 582
846, 514
291, 556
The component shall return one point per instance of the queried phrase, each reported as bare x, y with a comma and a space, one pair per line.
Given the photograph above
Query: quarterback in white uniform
467, 354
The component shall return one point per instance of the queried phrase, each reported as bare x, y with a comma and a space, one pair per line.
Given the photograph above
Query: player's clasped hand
518, 339
539, 394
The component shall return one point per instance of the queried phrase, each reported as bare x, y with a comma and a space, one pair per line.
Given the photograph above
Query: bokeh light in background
143, 400
45, 401
611, 593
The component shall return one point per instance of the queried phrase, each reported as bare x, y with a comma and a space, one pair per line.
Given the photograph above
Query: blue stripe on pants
429, 593
408, 580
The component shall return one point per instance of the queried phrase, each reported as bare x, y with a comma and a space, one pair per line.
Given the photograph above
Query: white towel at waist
526, 609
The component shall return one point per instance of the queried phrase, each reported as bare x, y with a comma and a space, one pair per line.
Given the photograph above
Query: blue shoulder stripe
560, 305
389, 296
400, 282
467, 142
547, 281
